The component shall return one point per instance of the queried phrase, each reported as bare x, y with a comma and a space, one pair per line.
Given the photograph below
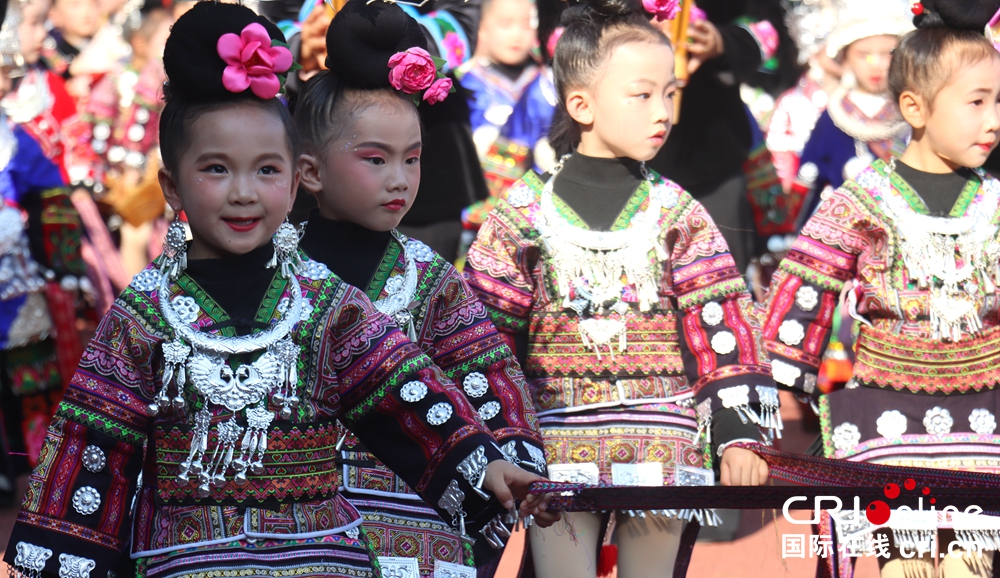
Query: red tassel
607, 560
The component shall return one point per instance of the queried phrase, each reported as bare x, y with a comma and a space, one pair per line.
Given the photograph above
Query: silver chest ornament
955, 259
400, 289
594, 268
201, 360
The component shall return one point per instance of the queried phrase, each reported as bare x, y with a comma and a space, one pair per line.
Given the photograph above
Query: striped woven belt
300, 464
900, 362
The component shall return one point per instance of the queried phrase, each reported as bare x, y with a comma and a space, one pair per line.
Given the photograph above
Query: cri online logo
878, 512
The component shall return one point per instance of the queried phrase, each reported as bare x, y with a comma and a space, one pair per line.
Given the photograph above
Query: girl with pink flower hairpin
199, 435
362, 142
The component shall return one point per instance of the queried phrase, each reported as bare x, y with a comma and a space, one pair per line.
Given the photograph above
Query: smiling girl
199, 435
362, 143
619, 294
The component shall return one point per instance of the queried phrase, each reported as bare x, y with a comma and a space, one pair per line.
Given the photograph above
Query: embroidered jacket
353, 365
452, 327
854, 235
698, 338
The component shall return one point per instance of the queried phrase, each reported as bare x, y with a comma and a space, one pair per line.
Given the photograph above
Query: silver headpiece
809, 23
10, 44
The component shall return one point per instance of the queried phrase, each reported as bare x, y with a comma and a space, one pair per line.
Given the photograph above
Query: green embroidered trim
265, 313
428, 281
825, 428
965, 198
811, 275
100, 422
408, 368
632, 206
711, 292
384, 270
968, 193
479, 363
207, 304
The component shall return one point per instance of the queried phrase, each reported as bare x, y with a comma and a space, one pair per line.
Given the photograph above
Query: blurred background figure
860, 123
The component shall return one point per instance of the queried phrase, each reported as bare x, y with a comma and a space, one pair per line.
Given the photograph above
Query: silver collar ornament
594, 268
956, 259
400, 290
201, 360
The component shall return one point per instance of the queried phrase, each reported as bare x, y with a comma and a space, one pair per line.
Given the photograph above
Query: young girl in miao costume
619, 293
198, 437
915, 240
361, 136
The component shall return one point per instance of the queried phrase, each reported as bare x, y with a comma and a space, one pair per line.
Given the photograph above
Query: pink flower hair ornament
417, 73
662, 9
255, 61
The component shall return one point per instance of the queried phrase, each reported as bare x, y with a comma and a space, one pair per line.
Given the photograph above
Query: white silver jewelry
75, 566
938, 421
400, 291
520, 196
955, 259
439, 413
413, 391
737, 397
93, 459
806, 298
286, 250
489, 410
31, 559
982, 422
451, 502
315, 270
421, 252
846, 436
784, 373
186, 307
473, 469
86, 500
712, 314
589, 265
723, 342
891, 424
353, 533
146, 280
254, 444
509, 451
704, 410
174, 249
475, 384
791, 332
537, 456
770, 416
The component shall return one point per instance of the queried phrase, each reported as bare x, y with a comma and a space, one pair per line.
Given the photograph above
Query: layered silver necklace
956, 259
201, 359
593, 269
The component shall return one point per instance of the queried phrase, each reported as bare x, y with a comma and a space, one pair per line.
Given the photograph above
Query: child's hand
508, 481
742, 467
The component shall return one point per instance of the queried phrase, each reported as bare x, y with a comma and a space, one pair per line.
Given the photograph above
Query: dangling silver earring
175, 248
286, 250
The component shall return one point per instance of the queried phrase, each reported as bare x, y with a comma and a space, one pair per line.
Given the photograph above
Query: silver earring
286, 250
175, 249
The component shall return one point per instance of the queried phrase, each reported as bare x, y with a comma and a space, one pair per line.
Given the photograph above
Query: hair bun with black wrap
364, 36
588, 9
957, 14
191, 57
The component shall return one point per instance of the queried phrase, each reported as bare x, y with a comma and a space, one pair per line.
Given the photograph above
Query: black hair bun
590, 9
191, 59
958, 14
364, 36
